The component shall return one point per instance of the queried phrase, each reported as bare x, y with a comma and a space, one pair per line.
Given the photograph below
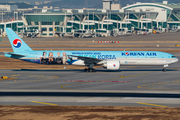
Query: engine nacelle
112, 65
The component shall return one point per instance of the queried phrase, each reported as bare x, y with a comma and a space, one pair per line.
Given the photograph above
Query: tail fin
16, 42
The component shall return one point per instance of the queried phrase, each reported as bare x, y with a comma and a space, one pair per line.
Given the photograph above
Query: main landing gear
164, 68
90, 68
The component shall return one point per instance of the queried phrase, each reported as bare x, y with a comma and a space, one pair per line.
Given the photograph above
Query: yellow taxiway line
44, 103
152, 104
16, 75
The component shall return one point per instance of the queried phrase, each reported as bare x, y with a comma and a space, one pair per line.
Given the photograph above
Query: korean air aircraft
111, 60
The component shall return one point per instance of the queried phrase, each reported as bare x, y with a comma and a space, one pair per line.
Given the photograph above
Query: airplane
110, 60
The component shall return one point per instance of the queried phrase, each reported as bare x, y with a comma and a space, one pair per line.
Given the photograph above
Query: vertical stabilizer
16, 42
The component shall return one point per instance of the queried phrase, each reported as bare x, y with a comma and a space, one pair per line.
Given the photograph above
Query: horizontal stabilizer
15, 54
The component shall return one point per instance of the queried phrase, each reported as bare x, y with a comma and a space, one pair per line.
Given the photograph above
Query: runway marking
122, 76
90, 81
118, 74
47, 86
109, 81
63, 86
135, 75
16, 75
129, 76
44, 76
160, 85
44, 103
151, 104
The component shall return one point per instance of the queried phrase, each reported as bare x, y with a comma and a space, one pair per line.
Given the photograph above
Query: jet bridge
30, 33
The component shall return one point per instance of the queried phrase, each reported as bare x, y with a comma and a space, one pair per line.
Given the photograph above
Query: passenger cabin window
173, 56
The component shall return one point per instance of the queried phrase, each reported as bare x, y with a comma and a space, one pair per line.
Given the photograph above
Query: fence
108, 41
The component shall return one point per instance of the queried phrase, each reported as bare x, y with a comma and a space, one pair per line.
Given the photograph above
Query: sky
33, 1
30, 1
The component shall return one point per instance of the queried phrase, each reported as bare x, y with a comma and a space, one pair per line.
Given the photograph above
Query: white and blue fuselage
108, 59
125, 57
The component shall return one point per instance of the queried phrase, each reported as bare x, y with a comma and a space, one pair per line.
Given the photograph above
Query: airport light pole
14, 16
146, 19
126, 20
72, 23
72, 18
23, 21
17, 15
110, 15
128, 16
107, 20
88, 20
94, 31
2, 17
65, 22
93, 15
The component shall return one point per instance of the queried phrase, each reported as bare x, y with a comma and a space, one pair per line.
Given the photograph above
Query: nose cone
175, 60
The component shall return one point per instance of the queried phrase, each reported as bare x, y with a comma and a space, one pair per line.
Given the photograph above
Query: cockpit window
173, 56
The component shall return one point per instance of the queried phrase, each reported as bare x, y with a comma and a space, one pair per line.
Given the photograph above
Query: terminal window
20, 23
8, 25
43, 29
36, 23
50, 29
44, 34
57, 23
46, 23
50, 34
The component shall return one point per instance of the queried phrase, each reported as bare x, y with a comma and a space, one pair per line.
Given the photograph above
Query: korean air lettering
138, 54
151, 54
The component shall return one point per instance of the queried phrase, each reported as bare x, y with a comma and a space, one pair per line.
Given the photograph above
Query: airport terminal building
139, 16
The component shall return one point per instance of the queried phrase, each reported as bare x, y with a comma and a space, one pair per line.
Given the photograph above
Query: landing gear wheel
93, 70
164, 70
89, 70
86, 70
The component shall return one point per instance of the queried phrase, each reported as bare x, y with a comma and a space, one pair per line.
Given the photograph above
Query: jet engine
112, 65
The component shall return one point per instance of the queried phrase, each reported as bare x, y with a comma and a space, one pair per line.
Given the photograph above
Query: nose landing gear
164, 68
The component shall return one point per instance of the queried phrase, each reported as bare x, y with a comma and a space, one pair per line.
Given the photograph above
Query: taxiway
130, 86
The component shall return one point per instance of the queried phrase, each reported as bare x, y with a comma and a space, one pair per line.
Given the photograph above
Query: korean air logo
17, 43
127, 53
114, 65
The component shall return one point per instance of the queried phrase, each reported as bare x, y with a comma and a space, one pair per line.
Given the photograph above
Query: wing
87, 60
